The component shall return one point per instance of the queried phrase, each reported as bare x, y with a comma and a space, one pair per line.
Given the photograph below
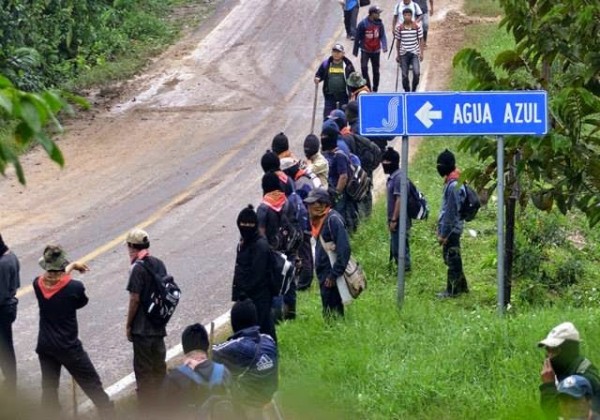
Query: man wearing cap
191, 383
327, 227
450, 226
149, 351
563, 359
59, 297
252, 359
370, 39
9, 283
574, 398
334, 73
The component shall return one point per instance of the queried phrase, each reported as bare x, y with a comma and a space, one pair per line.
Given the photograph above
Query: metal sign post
500, 223
402, 220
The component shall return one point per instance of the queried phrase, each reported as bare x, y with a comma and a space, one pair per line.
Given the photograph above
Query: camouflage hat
355, 80
137, 237
54, 259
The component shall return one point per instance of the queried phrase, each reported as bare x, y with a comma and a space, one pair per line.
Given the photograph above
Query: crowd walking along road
298, 229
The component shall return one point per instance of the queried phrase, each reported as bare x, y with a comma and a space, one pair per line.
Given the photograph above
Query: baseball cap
137, 237
575, 386
375, 9
560, 333
335, 114
319, 195
54, 258
338, 47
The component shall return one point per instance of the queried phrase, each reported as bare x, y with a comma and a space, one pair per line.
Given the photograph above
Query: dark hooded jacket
251, 278
323, 72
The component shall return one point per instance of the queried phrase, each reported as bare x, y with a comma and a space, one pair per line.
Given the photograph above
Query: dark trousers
331, 300
350, 19
149, 353
265, 316
332, 102
79, 365
406, 61
365, 206
8, 362
395, 248
348, 208
456, 282
365, 57
306, 257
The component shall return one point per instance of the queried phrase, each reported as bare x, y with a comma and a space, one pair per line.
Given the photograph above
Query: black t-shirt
142, 283
58, 317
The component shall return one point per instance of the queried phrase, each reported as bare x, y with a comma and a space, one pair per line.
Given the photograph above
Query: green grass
432, 359
483, 8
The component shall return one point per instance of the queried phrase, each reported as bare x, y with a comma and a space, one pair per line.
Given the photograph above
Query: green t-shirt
336, 82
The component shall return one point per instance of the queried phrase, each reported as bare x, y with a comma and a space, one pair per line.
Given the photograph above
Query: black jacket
333, 230
58, 318
251, 278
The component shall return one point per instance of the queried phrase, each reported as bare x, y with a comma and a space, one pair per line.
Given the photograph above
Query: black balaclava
329, 135
243, 315
339, 117
352, 111
569, 352
446, 163
269, 162
270, 182
393, 157
311, 145
3, 247
194, 337
248, 216
280, 144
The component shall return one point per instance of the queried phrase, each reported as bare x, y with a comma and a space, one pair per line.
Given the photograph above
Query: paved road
178, 156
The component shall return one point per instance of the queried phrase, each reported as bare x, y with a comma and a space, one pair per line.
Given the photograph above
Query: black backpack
416, 205
470, 204
368, 152
289, 235
160, 302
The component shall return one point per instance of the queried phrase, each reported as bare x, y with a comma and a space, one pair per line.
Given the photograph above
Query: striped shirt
408, 38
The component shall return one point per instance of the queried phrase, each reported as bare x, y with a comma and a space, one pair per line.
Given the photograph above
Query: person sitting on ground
574, 398
189, 385
563, 359
252, 359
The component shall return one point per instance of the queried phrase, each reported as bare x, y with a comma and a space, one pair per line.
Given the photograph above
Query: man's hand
385, 50
329, 283
442, 241
398, 59
128, 334
393, 225
421, 56
317, 80
76, 265
547, 372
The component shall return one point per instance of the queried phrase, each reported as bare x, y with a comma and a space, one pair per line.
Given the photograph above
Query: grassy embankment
432, 359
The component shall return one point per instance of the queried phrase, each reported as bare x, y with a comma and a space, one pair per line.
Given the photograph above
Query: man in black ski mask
391, 166
563, 359
251, 278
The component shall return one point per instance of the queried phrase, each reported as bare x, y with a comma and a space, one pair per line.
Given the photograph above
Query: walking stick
314, 114
75, 408
212, 339
397, 76
392, 47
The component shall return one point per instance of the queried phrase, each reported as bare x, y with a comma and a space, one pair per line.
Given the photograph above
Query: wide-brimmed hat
356, 80
54, 258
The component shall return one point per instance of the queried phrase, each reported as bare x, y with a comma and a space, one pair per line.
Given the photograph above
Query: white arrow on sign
425, 114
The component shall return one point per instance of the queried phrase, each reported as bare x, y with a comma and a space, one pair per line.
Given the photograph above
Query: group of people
410, 27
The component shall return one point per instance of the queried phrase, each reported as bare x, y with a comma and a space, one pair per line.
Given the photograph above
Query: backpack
358, 183
416, 204
368, 152
470, 204
300, 211
289, 236
215, 406
282, 273
160, 303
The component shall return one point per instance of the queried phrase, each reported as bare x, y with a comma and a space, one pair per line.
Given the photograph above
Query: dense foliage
556, 49
44, 43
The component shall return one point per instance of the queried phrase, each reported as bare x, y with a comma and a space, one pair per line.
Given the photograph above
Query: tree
558, 50
28, 117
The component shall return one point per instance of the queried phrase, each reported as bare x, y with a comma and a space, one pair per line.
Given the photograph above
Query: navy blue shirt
338, 165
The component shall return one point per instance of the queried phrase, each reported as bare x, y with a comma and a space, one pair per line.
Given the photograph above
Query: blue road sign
476, 113
381, 114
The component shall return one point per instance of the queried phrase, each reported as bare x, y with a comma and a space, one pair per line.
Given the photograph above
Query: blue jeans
350, 19
406, 61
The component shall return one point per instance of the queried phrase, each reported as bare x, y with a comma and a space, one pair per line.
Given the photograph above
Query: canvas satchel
353, 281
